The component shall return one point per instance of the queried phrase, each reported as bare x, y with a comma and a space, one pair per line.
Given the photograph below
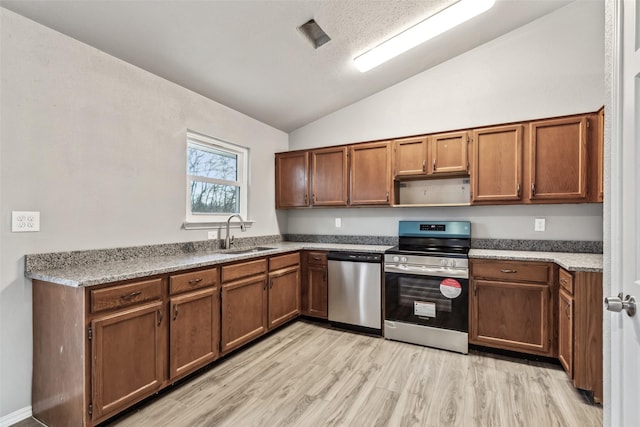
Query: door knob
618, 304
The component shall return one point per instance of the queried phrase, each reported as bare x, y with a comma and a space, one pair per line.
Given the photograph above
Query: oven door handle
426, 271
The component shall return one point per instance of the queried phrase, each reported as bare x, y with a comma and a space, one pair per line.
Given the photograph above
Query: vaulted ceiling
249, 55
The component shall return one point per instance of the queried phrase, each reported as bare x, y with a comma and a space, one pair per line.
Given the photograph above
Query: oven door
439, 302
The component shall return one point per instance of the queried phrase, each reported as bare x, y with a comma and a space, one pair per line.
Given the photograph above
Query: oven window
420, 300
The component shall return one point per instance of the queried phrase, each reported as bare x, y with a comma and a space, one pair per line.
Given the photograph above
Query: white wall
552, 66
98, 147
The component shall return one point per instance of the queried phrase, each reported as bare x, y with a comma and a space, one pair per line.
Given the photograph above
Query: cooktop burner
441, 239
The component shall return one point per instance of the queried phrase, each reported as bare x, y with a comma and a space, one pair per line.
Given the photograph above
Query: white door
623, 225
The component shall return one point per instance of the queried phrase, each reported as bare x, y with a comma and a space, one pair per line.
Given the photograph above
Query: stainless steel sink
250, 250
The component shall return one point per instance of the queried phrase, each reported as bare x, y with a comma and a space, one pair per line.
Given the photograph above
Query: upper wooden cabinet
329, 176
371, 174
426, 156
410, 157
449, 153
558, 159
496, 166
292, 179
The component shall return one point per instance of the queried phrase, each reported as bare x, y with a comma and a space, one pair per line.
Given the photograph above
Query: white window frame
199, 220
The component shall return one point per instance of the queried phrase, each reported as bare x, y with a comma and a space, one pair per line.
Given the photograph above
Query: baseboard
15, 416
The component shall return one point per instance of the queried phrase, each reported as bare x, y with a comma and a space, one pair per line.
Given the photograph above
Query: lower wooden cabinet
194, 330
580, 329
127, 363
284, 289
244, 311
510, 306
314, 287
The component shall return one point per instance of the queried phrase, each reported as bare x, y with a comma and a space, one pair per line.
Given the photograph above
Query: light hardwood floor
310, 375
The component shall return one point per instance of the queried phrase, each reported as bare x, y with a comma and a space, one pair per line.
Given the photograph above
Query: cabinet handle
271, 284
159, 317
313, 199
567, 312
434, 165
533, 189
387, 197
194, 281
475, 288
518, 190
306, 197
316, 258
563, 281
324, 277
131, 295
264, 287
175, 311
424, 166
508, 271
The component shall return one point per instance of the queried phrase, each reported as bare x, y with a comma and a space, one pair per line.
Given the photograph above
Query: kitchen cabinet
410, 157
449, 153
292, 180
284, 289
430, 156
558, 159
243, 303
511, 306
580, 329
329, 176
371, 180
597, 155
315, 288
194, 324
496, 164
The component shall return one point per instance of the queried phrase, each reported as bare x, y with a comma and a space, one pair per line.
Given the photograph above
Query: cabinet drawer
316, 258
282, 261
566, 280
125, 295
245, 269
193, 280
512, 270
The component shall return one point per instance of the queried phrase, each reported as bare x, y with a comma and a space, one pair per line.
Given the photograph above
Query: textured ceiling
248, 55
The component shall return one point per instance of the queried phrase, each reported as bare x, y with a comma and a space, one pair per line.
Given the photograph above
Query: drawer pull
131, 295
194, 281
159, 317
316, 258
504, 270
563, 281
175, 311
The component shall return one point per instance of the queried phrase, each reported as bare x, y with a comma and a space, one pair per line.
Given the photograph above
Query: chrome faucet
228, 241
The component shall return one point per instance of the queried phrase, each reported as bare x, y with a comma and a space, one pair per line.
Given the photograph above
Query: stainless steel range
427, 284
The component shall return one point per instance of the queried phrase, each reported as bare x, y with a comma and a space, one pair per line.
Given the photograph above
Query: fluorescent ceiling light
434, 25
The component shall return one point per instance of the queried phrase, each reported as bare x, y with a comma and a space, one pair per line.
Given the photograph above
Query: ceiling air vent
314, 33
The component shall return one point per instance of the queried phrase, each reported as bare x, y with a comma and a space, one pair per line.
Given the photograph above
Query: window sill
215, 224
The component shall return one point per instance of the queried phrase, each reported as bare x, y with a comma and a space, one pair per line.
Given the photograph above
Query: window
216, 179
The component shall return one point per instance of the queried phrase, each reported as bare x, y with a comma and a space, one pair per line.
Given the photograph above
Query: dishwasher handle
355, 257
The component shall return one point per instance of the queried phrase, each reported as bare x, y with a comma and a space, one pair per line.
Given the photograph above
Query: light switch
539, 224
22, 221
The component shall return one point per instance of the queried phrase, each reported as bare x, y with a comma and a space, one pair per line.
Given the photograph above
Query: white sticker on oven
424, 309
450, 288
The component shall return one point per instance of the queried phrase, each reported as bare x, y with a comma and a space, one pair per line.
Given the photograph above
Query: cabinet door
512, 316
565, 331
127, 358
449, 153
317, 291
558, 159
284, 295
244, 308
194, 336
371, 174
292, 180
329, 174
410, 156
496, 171
600, 163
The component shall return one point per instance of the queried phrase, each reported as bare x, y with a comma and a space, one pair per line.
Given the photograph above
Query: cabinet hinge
90, 333
90, 408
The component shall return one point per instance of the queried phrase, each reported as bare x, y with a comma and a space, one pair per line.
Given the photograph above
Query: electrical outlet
338, 222
212, 235
22, 221
539, 224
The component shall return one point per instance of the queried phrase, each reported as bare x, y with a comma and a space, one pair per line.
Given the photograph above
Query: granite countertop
106, 272
568, 261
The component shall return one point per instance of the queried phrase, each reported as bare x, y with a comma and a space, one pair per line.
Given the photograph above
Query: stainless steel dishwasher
355, 290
